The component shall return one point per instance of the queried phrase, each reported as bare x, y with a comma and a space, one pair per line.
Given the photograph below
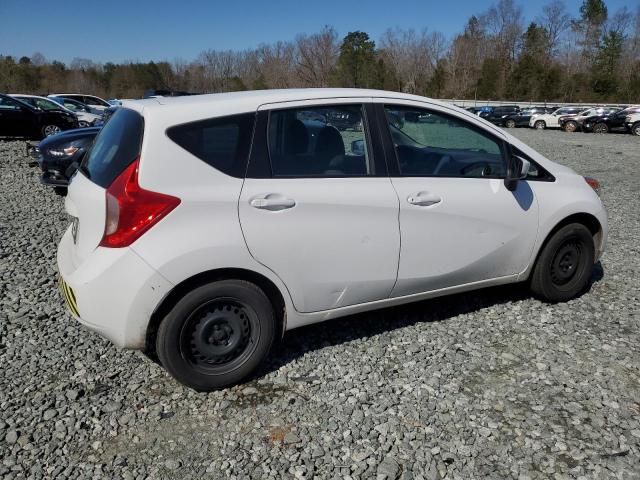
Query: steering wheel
485, 168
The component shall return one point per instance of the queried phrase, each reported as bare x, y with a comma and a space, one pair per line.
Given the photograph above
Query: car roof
202, 106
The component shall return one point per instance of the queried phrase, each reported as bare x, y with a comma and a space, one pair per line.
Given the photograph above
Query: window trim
391, 152
373, 151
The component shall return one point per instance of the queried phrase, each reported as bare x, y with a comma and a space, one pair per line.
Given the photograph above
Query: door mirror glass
519, 169
357, 147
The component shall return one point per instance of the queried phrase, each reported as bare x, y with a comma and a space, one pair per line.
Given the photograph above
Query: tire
49, 130
540, 125
635, 129
564, 266
83, 124
570, 126
217, 334
600, 128
510, 123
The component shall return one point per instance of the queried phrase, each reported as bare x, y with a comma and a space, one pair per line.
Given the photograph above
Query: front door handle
423, 199
274, 202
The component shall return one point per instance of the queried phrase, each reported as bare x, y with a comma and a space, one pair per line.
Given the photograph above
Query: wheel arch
584, 218
181, 289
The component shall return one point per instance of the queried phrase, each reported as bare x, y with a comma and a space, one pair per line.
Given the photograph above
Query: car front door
317, 206
459, 224
16, 120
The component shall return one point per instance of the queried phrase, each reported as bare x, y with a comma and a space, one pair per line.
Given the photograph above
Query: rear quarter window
223, 143
116, 146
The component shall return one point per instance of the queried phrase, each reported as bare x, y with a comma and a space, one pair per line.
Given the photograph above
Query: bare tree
412, 56
505, 23
317, 56
556, 21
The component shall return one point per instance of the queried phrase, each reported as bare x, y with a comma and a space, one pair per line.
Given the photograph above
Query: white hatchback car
203, 227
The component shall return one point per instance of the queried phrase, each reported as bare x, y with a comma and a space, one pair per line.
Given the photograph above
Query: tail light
132, 210
593, 183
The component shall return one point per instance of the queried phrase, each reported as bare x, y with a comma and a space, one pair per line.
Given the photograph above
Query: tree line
498, 55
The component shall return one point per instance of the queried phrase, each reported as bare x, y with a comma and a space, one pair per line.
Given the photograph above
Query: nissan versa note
204, 227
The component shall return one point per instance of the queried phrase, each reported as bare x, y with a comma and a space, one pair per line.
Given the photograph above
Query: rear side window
116, 146
222, 143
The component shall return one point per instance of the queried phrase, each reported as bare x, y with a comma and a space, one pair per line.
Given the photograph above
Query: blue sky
118, 30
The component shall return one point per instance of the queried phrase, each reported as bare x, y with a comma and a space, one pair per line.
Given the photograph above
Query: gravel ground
492, 384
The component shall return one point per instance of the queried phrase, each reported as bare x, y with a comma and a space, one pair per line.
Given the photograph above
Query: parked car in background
498, 114
145, 264
77, 106
85, 117
605, 123
521, 118
632, 121
114, 102
56, 153
550, 120
478, 110
90, 100
20, 120
573, 123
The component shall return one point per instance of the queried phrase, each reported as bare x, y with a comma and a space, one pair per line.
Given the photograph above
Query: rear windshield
115, 147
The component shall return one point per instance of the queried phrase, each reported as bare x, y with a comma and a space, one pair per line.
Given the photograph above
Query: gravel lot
492, 384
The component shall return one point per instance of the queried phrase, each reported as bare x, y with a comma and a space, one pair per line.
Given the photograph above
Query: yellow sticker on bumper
69, 297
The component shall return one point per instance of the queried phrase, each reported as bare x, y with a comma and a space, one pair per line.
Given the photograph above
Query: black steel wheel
564, 266
217, 334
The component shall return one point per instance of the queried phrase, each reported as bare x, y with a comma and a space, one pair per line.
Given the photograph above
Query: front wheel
217, 334
564, 266
510, 123
600, 128
635, 129
570, 126
49, 130
83, 124
540, 125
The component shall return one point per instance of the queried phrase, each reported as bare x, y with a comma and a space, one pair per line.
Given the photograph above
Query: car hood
69, 136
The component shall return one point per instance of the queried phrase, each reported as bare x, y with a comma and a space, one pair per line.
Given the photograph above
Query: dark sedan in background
497, 114
521, 118
608, 121
55, 154
20, 120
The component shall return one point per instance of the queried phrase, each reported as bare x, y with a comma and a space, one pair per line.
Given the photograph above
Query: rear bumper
114, 292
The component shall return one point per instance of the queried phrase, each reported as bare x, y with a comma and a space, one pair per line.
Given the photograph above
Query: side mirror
357, 147
518, 170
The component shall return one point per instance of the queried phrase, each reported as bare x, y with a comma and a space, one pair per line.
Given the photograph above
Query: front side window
438, 145
326, 141
95, 101
222, 142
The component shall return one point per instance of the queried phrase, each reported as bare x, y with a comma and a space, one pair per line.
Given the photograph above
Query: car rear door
317, 206
459, 224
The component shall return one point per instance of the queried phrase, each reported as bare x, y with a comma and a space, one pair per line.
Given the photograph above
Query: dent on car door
317, 206
459, 224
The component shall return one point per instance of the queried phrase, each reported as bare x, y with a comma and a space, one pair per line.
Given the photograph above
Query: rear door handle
274, 202
423, 199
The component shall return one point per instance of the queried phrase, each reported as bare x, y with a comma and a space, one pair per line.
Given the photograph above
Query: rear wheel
570, 126
49, 130
510, 123
635, 128
540, 125
600, 128
564, 266
217, 334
